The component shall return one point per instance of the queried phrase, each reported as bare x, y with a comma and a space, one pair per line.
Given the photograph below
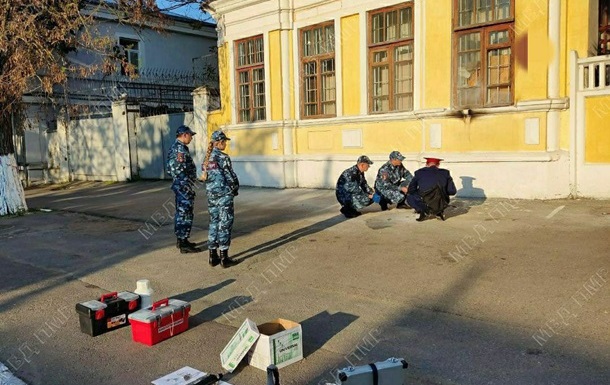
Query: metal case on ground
388, 372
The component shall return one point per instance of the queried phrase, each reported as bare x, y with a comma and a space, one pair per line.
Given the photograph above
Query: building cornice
544, 105
225, 6
173, 25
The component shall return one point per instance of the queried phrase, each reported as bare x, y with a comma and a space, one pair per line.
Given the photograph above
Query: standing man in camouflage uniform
392, 182
181, 167
221, 187
352, 191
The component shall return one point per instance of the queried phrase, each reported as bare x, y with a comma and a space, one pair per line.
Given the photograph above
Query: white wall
524, 179
166, 50
91, 149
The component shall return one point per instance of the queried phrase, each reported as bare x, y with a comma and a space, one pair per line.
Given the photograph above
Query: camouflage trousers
183, 220
222, 214
356, 201
393, 194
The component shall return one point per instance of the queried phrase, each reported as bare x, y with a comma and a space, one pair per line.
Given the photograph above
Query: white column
286, 25
573, 122
553, 118
59, 154
200, 126
122, 164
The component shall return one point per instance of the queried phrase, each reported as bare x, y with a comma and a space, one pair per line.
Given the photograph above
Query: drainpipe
553, 116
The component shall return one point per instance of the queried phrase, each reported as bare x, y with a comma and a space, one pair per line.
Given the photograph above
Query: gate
156, 134
591, 133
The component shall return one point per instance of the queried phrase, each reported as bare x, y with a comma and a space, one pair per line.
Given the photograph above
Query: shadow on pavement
287, 238
195, 294
218, 310
320, 328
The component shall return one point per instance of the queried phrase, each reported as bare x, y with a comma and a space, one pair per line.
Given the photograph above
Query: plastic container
163, 320
145, 292
109, 313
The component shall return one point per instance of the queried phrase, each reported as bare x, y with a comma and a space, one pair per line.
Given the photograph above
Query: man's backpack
436, 199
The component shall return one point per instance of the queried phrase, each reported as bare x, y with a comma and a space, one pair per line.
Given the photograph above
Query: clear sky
191, 11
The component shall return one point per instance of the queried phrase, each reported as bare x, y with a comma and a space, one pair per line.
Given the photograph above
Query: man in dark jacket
429, 190
181, 167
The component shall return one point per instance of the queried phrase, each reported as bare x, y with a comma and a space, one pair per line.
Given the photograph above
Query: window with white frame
129, 54
250, 79
390, 46
483, 53
318, 78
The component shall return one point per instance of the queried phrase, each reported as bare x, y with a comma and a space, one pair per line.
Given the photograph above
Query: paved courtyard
504, 292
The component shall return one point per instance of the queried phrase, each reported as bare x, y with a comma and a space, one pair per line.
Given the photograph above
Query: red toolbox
163, 320
109, 313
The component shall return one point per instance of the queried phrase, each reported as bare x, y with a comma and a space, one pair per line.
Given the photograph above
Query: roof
170, 15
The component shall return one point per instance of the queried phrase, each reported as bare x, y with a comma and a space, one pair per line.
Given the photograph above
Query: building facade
513, 94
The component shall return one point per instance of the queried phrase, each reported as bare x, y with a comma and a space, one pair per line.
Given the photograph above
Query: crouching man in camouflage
392, 182
352, 191
181, 167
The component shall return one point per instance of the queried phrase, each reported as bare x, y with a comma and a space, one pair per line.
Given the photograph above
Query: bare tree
36, 37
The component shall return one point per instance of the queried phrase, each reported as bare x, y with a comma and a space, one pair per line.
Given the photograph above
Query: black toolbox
108, 313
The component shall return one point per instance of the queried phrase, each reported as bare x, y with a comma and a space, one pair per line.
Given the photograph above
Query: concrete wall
92, 149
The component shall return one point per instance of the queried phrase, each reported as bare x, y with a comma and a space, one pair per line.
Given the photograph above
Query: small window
250, 75
129, 54
318, 85
484, 34
391, 58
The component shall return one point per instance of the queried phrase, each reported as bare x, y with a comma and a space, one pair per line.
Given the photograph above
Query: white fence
594, 73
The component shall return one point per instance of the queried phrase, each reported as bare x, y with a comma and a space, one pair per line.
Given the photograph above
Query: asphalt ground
504, 291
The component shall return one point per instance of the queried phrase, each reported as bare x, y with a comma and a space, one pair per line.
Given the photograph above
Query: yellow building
494, 87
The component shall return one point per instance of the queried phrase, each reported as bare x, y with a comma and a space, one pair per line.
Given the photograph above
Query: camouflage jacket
390, 177
181, 167
352, 182
221, 179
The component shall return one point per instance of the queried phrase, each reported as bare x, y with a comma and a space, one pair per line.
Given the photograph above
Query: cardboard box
280, 343
238, 346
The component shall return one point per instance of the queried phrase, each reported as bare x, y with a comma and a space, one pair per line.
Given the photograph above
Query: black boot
422, 217
383, 203
225, 261
188, 247
214, 258
186, 240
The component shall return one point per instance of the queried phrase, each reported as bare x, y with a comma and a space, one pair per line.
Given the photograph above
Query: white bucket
145, 292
